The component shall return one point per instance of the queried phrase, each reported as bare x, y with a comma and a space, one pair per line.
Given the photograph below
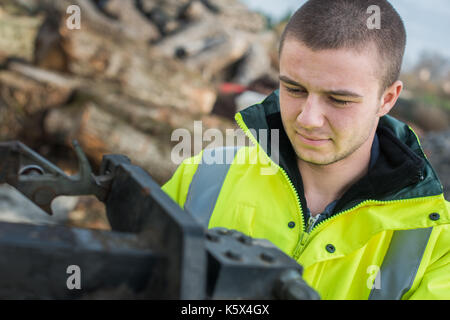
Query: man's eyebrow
345, 93
289, 81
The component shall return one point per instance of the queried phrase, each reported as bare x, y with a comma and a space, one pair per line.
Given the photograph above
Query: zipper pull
311, 222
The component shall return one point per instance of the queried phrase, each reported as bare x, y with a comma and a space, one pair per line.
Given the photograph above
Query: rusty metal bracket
41, 181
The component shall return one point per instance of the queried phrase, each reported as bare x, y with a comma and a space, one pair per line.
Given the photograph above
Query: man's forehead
297, 49
330, 67
365, 48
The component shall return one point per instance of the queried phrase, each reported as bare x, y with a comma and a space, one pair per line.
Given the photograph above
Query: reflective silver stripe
400, 264
207, 182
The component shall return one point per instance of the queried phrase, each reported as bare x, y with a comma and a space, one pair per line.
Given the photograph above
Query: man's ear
389, 97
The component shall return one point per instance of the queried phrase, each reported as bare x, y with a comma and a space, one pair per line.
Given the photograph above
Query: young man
354, 199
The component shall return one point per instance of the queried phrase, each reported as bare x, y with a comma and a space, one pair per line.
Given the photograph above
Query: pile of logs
128, 75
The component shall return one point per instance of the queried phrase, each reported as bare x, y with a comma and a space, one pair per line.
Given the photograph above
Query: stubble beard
335, 157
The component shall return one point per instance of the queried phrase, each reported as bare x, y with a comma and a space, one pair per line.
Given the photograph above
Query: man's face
328, 100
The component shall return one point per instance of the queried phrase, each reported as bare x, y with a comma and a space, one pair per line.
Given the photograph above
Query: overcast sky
427, 22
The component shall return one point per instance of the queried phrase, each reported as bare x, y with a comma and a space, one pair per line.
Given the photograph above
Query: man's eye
340, 102
295, 90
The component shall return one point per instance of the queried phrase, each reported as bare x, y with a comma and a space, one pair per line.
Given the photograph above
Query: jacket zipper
306, 229
311, 222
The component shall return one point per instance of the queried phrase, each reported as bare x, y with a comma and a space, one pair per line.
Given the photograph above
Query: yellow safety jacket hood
388, 236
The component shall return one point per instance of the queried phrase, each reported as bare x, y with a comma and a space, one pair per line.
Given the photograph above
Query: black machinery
155, 249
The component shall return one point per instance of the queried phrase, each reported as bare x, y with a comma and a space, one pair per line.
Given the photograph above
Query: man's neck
326, 183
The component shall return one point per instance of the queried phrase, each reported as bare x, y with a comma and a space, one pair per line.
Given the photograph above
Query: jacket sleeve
178, 186
435, 283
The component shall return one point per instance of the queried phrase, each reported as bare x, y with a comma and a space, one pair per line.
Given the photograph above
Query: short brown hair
336, 24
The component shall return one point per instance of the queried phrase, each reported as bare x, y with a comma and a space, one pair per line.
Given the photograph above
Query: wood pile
129, 76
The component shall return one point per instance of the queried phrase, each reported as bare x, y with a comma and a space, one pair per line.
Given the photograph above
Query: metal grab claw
41, 181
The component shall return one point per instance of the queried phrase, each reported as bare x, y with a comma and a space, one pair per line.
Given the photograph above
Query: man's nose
311, 114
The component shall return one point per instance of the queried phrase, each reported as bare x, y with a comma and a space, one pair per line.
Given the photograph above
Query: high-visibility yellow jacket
388, 236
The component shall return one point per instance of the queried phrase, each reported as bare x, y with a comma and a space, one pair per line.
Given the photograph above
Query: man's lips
315, 141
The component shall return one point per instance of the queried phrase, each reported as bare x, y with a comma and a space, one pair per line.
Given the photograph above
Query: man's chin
318, 160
